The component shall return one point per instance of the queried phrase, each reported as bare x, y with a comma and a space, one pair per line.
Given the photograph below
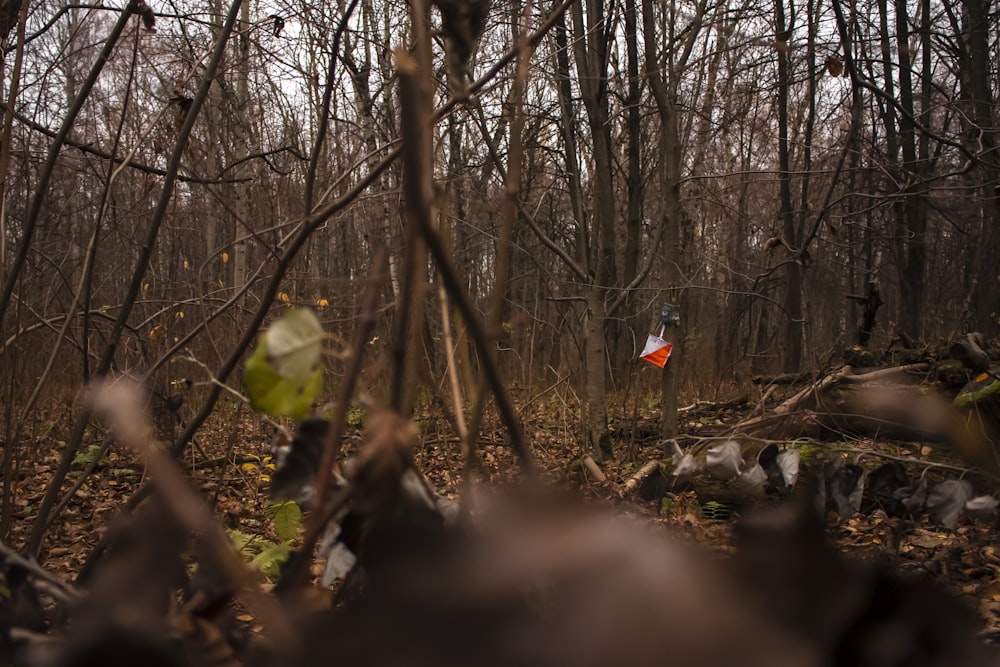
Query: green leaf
293, 344
283, 375
271, 557
241, 541
88, 456
287, 518
275, 394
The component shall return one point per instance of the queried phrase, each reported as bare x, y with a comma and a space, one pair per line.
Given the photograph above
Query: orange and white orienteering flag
657, 350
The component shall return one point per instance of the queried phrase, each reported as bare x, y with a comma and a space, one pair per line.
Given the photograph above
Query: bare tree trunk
792, 353
912, 254
629, 331
593, 31
595, 409
672, 217
978, 95
242, 136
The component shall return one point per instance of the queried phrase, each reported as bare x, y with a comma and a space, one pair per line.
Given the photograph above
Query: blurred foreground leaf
283, 375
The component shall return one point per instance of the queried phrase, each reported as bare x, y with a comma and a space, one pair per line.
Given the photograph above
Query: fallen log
702, 407
969, 351
888, 402
648, 482
898, 403
595, 470
787, 378
643, 472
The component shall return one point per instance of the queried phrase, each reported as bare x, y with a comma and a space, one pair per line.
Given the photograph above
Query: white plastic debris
724, 461
752, 481
983, 508
788, 462
946, 501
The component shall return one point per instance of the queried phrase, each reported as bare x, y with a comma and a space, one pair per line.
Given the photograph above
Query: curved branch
44, 515
324, 113
45, 176
115, 159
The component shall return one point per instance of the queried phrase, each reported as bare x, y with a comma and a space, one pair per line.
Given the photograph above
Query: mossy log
983, 393
980, 400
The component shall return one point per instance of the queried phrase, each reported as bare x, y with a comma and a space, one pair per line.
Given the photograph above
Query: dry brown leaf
834, 65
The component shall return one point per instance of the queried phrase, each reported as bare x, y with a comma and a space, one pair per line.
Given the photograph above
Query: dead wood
969, 351
595, 470
701, 407
889, 403
786, 378
640, 476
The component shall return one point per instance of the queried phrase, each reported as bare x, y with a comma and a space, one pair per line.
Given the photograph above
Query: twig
239, 396
324, 115
510, 207
338, 421
319, 513
58, 590
121, 405
452, 368
416, 108
82, 479
30, 223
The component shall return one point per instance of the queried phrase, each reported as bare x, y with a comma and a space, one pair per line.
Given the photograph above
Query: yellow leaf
982, 376
145, 287
249, 466
186, 265
265, 478
179, 314
283, 297
322, 303
225, 257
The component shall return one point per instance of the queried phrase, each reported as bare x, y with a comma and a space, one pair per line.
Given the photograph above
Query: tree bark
597, 439
591, 55
982, 126
672, 214
792, 354
628, 330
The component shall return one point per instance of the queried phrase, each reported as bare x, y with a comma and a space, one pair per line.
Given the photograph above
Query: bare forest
451, 228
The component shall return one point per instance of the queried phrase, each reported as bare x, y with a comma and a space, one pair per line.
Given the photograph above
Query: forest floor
231, 466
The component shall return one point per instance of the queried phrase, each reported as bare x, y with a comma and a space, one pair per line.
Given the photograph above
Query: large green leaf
287, 518
293, 343
283, 375
270, 559
241, 541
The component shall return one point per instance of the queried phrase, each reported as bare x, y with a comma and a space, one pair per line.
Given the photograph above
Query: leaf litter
965, 558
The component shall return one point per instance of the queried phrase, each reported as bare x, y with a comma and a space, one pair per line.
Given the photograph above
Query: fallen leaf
927, 541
